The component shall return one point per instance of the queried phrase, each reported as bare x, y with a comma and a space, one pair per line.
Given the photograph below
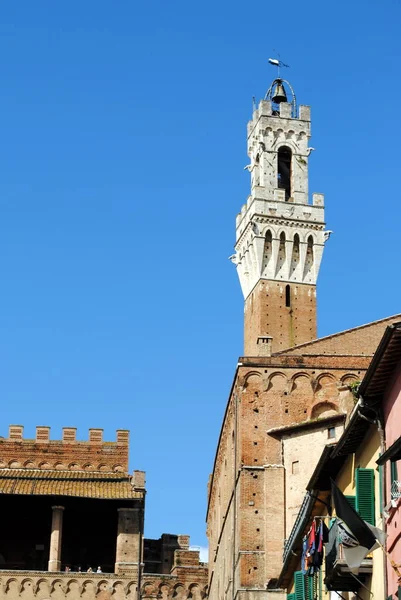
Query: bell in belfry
279, 94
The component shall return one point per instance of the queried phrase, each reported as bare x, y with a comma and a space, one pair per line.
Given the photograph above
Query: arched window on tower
309, 259
284, 156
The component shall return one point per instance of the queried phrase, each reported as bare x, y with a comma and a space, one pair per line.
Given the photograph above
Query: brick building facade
291, 393
69, 509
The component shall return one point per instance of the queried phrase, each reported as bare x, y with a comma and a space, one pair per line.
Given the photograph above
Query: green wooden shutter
399, 592
310, 587
352, 501
291, 596
365, 494
299, 580
394, 472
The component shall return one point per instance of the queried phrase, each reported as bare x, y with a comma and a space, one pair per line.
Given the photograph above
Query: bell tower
279, 234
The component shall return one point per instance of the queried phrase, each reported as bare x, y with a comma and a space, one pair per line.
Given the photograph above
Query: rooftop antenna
277, 62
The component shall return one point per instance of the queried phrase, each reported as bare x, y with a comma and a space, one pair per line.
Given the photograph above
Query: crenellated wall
65, 454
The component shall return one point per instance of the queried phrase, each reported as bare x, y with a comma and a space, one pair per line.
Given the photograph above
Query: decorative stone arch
290, 134
14, 464
297, 380
164, 591
73, 466
302, 135
285, 141
251, 375
306, 235
88, 589
349, 379
281, 231
56, 585
322, 377
71, 583
118, 468
266, 228
44, 465
12, 582
29, 464
26, 583
117, 588
59, 466
148, 590
323, 409
194, 591
88, 467
178, 591
102, 586
2, 464
41, 582
277, 380
103, 467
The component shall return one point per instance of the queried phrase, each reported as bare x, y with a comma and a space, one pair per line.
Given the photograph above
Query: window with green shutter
365, 494
299, 581
352, 501
394, 472
291, 596
310, 593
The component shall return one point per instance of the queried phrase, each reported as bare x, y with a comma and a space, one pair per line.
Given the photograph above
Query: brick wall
266, 313
361, 340
247, 510
68, 453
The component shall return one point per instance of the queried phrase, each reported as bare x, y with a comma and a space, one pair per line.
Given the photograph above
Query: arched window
288, 296
284, 156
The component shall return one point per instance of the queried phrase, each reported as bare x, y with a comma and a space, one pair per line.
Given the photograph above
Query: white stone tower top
279, 234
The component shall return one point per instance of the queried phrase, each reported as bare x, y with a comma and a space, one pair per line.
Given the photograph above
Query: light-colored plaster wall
301, 452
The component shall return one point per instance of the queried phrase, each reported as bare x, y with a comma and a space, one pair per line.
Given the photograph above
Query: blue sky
122, 150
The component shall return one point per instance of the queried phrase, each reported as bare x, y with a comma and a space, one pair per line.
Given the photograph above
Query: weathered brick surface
361, 340
266, 313
247, 513
43, 453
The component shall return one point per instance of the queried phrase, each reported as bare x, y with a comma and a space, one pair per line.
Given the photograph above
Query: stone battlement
68, 453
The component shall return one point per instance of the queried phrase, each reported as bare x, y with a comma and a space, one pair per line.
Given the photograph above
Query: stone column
129, 533
55, 539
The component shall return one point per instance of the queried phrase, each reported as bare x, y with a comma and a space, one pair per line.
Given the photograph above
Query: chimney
264, 345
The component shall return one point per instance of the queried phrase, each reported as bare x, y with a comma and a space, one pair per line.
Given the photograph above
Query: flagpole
392, 563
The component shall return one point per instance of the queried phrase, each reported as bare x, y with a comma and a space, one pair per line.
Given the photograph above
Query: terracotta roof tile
68, 483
